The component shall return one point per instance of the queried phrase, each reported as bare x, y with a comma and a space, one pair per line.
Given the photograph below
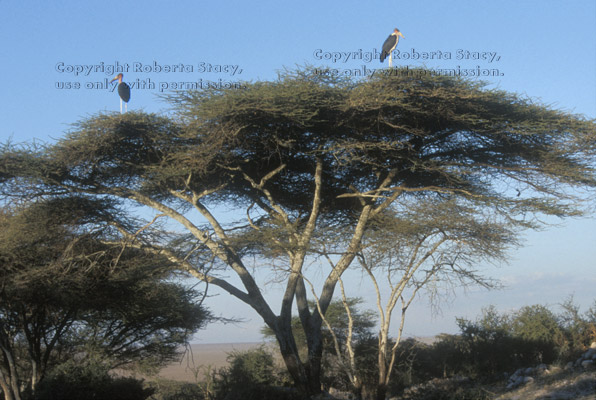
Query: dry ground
559, 385
202, 356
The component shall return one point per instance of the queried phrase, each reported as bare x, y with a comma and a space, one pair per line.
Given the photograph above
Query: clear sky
543, 49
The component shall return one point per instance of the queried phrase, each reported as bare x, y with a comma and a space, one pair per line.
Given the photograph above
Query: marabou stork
123, 92
390, 45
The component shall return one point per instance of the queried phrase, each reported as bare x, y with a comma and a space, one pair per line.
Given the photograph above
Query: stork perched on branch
390, 45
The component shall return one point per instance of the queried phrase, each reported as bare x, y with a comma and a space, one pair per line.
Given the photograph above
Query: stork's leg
120, 106
390, 59
125, 107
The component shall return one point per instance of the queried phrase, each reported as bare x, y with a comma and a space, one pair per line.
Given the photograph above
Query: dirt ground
560, 385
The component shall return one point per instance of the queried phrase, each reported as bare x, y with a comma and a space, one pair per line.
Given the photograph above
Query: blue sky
542, 49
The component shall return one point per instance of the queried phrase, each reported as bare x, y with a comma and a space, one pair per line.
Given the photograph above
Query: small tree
252, 375
538, 325
486, 347
434, 242
66, 293
89, 381
497, 343
579, 329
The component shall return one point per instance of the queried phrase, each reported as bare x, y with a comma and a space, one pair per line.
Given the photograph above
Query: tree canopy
68, 290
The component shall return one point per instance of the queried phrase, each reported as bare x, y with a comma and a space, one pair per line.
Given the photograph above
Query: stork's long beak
400, 34
115, 79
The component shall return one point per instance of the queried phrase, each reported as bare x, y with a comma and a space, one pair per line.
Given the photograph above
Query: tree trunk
315, 356
367, 392
10, 392
314, 339
35, 374
7, 391
381, 387
381, 391
8, 377
16, 392
371, 392
306, 377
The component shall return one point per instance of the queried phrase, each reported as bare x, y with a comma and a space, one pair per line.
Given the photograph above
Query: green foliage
416, 363
539, 325
251, 366
496, 343
72, 381
434, 132
535, 322
412, 366
447, 356
176, 390
446, 390
70, 288
252, 375
431, 129
363, 321
579, 330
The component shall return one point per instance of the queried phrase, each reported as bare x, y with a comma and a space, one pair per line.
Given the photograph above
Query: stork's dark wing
124, 91
388, 46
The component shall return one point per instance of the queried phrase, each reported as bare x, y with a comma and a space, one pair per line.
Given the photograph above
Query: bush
445, 389
252, 375
166, 389
70, 381
579, 330
540, 326
497, 343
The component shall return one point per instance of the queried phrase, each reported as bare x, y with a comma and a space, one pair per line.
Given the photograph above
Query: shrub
539, 327
496, 343
445, 390
174, 390
579, 330
70, 381
252, 375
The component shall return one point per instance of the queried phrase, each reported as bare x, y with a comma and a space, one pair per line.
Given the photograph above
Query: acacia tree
430, 245
66, 291
307, 153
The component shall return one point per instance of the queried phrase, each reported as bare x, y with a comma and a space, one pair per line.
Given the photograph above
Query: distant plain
198, 357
